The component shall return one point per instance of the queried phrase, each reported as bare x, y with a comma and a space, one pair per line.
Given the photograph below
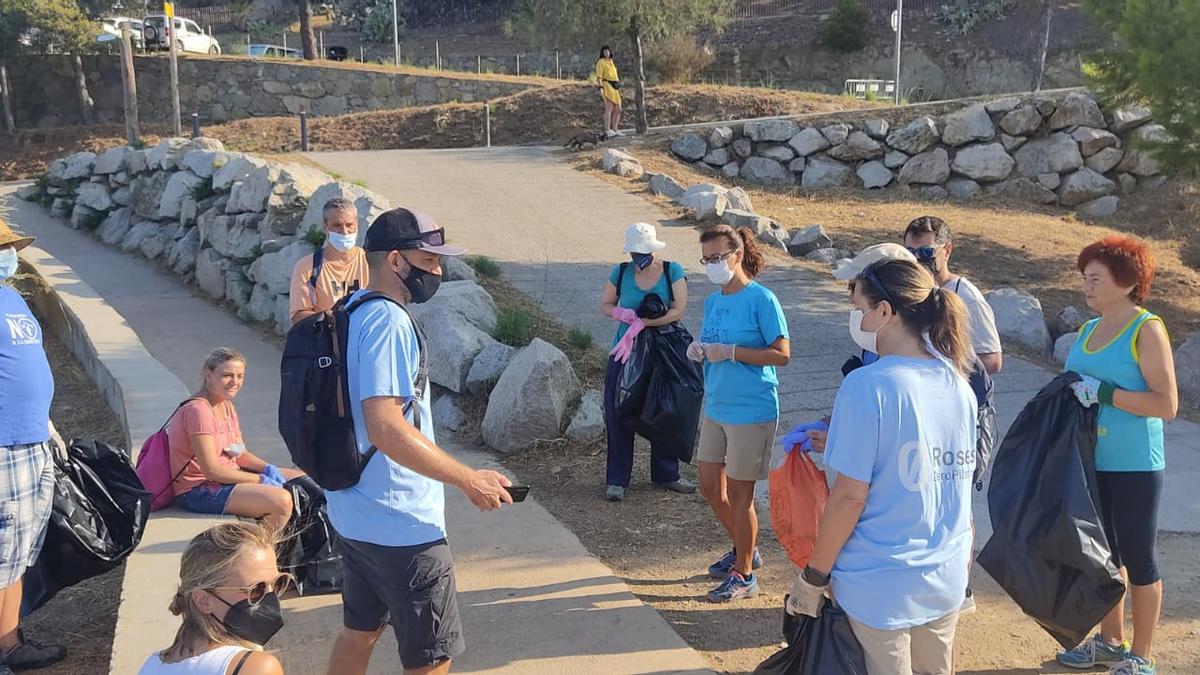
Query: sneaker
614, 493
968, 606
735, 587
1094, 651
721, 568
1134, 665
32, 654
681, 486
609, 133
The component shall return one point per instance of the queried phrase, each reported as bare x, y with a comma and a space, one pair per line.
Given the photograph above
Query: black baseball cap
406, 229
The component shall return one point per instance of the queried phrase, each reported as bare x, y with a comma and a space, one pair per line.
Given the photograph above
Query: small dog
584, 141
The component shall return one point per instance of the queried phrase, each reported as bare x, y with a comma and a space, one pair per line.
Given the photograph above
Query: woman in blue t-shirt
1125, 359
743, 339
895, 537
626, 288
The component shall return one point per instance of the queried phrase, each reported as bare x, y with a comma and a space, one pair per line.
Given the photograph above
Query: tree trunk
308, 41
1040, 69
640, 119
87, 113
5, 101
129, 89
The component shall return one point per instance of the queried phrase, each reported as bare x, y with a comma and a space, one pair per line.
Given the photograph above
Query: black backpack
314, 397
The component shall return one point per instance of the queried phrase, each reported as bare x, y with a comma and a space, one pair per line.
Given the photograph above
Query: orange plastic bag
798, 492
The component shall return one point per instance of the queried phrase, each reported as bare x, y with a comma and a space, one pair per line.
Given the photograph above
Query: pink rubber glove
624, 315
624, 348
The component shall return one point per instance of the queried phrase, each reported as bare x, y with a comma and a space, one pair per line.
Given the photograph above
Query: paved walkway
527, 587
558, 231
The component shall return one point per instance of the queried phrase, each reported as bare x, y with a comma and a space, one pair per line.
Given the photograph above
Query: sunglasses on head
256, 592
869, 275
432, 238
924, 252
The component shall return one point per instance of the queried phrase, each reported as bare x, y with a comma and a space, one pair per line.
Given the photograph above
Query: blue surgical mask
8, 262
642, 260
342, 242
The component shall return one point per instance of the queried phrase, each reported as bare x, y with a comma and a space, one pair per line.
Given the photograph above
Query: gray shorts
415, 585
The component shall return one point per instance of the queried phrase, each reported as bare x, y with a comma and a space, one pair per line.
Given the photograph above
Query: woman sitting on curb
214, 472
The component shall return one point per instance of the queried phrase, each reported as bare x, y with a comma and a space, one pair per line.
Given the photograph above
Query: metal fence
223, 18
756, 9
427, 13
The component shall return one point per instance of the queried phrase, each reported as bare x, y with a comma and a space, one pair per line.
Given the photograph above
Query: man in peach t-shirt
341, 264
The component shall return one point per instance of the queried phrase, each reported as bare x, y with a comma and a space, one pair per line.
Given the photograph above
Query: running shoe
1094, 651
614, 493
735, 587
1134, 665
31, 654
721, 568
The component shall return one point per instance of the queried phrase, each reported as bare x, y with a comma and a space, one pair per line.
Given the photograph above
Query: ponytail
743, 238
948, 327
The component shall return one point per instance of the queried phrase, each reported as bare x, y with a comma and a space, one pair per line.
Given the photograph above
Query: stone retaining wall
1042, 149
229, 88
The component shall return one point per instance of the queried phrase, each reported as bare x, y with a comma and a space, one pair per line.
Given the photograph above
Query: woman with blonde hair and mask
894, 542
228, 598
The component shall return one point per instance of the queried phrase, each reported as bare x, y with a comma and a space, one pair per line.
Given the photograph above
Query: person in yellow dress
610, 91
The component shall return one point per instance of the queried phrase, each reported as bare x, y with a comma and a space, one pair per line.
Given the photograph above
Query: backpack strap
621, 279
241, 662
670, 286
318, 261
422, 378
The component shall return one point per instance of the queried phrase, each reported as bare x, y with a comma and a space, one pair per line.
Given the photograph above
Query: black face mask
421, 285
932, 264
254, 623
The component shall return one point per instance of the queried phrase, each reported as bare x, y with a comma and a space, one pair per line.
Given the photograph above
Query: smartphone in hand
518, 492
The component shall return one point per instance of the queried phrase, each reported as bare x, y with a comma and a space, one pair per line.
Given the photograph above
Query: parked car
337, 53
187, 35
110, 30
256, 51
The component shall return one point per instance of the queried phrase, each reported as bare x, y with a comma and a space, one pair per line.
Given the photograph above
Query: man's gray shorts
415, 584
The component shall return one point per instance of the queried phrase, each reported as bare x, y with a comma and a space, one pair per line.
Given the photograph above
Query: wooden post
129, 85
5, 93
175, 115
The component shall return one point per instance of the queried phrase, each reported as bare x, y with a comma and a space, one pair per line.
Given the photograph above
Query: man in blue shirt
26, 468
392, 521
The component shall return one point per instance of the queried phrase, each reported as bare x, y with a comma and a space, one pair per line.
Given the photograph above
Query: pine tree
845, 29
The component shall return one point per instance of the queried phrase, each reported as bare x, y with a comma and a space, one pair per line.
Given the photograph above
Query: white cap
642, 238
869, 256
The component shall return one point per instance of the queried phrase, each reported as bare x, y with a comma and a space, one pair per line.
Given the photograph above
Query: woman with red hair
1125, 361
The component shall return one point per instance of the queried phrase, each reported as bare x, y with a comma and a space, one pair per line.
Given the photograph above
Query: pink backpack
154, 466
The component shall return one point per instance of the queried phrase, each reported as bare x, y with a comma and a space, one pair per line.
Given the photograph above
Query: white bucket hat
642, 238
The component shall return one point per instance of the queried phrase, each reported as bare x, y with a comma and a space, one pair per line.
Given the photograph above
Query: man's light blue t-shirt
739, 393
391, 505
907, 428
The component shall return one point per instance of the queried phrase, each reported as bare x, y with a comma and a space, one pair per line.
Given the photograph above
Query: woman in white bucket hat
628, 285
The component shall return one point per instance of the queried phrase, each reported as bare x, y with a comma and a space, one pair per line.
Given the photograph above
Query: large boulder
612, 157
112, 160
369, 206
705, 205
587, 424
962, 189
132, 241
857, 147
836, 133
181, 256
447, 413
737, 218
95, 196
697, 188
1127, 117
720, 137
531, 399
156, 243
488, 366
985, 162
250, 194
969, 124
283, 192
628, 169
261, 306
454, 268
926, 168
137, 162
770, 130
739, 199
1021, 121
1105, 160
717, 157
1077, 110
1024, 190
662, 184
1011, 143
688, 146
162, 157
464, 298
78, 166
61, 207
236, 168
1083, 186
204, 163
274, 270
766, 171
822, 172
877, 128
453, 343
915, 137
179, 187
808, 239
780, 153
1101, 207
894, 159
1056, 153
1019, 319
742, 147
114, 228
874, 174
1070, 319
1062, 347
1187, 369
807, 141
85, 218
1092, 140
229, 235
210, 273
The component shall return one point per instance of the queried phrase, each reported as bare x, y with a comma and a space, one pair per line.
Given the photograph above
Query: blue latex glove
272, 476
799, 436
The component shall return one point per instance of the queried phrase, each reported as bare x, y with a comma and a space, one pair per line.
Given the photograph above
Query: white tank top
212, 662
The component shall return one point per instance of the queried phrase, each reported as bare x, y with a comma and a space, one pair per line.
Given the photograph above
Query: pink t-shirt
199, 417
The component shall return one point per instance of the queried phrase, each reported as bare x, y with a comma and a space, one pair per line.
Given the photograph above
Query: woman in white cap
628, 285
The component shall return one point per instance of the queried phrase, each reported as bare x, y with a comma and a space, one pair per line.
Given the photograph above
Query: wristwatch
815, 577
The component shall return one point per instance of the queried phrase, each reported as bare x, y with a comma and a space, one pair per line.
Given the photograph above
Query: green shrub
484, 266
315, 237
964, 16
846, 28
202, 190
579, 338
678, 59
514, 327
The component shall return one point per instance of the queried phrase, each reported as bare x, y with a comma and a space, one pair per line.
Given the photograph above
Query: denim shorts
205, 498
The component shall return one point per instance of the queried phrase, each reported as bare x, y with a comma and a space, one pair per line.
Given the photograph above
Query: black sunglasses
432, 238
923, 252
873, 279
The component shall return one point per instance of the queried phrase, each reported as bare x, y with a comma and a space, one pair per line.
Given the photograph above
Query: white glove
804, 598
716, 353
695, 351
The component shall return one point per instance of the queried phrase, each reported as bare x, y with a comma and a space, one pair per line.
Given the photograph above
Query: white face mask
861, 337
719, 272
342, 242
8, 262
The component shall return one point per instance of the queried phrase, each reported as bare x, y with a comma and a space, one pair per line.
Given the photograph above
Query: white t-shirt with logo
984, 337
907, 428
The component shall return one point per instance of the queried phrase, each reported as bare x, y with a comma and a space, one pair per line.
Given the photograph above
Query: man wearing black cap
392, 521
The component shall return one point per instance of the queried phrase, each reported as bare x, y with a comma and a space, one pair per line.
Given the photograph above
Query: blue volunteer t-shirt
631, 295
907, 428
390, 505
26, 383
739, 393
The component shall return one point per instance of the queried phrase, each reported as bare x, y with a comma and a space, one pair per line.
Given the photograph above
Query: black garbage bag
1048, 550
670, 414
635, 377
99, 515
310, 549
825, 645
